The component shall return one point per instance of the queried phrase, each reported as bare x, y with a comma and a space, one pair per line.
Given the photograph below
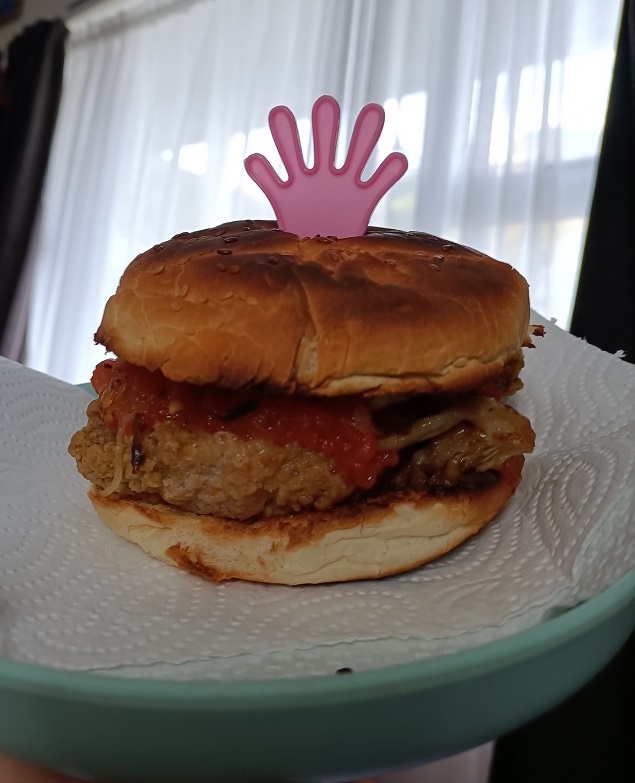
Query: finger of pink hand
284, 130
390, 171
366, 133
262, 172
326, 123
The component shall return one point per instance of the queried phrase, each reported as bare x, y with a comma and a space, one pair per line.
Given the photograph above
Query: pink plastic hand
325, 200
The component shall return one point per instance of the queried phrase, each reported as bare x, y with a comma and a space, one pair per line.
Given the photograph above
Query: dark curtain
590, 737
32, 89
604, 312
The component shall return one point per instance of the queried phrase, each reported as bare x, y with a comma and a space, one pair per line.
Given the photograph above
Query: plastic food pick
325, 200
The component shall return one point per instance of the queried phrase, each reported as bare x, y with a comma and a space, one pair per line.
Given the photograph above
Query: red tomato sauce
341, 428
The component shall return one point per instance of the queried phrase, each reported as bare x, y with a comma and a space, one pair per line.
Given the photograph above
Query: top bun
248, 305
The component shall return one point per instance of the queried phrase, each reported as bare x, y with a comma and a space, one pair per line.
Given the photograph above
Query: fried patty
207, 473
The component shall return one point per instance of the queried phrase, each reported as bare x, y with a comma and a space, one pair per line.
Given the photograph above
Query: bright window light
193, 158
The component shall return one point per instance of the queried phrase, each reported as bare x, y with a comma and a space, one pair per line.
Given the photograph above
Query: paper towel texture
75, 596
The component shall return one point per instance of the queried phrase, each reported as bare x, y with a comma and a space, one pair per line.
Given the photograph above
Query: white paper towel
75, 596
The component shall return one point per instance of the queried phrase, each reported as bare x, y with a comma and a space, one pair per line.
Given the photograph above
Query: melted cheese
476, 433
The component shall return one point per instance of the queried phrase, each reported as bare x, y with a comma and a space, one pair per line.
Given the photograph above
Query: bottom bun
375, 538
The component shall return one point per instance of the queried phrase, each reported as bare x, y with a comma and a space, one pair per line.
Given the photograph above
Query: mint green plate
318, 728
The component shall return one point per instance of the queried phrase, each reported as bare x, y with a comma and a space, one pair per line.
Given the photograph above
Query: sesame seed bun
248, 305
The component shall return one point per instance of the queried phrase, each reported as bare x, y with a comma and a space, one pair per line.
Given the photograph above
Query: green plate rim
249, 694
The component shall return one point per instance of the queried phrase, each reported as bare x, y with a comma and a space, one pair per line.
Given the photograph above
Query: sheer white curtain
498, 104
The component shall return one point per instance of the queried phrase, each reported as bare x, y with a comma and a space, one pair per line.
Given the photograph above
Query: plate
71, 593
315, 728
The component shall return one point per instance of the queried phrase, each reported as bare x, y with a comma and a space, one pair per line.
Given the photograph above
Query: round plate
318, 728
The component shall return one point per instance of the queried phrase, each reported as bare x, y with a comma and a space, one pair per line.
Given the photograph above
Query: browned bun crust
246, 304
376, 538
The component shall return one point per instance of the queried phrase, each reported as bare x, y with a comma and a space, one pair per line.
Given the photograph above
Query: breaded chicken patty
207, 473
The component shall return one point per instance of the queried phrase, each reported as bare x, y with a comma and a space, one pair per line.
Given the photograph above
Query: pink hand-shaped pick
325, 200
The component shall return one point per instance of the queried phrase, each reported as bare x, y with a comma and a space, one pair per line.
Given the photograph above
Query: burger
306, 410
